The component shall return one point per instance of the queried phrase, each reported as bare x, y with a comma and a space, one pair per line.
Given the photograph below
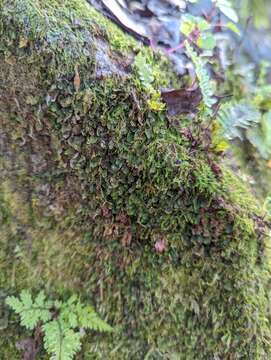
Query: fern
31, 312
236, 117
63, 333
148, 74
205, 83
89, 319
144, 70
60, 341
260, 136
267, 204
79, 315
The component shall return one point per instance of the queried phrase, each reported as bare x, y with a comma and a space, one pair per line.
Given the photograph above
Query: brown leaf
160, 246
23, 42
29, 348
123, 218
108, 230
127, 238
106, 212
182, 101
76, 79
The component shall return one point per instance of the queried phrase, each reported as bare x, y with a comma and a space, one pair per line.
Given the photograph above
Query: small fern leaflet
60, 341
31, 312
236, 117
205, 83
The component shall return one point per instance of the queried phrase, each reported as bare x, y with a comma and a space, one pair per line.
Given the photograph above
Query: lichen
91, 179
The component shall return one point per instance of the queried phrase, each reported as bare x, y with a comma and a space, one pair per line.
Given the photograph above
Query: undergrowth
63, 324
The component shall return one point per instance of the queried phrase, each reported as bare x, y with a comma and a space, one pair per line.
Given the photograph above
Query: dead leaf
23, 42
124, 18
160, 246
127, 238
76, 79
11, 60
123, 218
106, 212
30, 347
269, 164
182, 101
108, 230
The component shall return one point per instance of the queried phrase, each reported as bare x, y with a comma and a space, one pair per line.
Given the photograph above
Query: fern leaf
236, 117
144, 70
60, 341
76, 315
205, 82
31, 312
89, 319
62, 338
260, 136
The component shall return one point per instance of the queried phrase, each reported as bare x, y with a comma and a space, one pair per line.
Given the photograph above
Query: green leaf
260, 136
31, 312
205, 83
236, 117
226, 8
89, 319
60, 341
233, 28
76, 315
62, 338
190, 23
206, 41
144, 70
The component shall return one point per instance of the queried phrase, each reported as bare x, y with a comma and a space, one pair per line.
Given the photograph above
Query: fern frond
205, 82
144, 70
260, 136
89, 319
60, 341
236, 117
78, 315
31, 312
62, 335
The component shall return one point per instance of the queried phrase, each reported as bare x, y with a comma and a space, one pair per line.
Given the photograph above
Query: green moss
93, 179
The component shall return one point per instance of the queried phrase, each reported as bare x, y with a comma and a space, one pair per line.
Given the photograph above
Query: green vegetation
247, 118
92, 179
205, 83
59, 321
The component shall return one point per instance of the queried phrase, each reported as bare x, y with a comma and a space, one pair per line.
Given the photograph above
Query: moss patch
91, 180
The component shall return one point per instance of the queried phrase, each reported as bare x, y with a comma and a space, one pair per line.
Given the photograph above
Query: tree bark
102, 196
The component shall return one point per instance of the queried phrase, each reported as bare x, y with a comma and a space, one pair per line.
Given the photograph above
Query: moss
91, 180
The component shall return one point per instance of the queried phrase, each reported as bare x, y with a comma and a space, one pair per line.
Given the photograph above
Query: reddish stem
172, 50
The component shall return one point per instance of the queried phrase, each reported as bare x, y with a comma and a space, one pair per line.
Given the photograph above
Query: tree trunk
103, 196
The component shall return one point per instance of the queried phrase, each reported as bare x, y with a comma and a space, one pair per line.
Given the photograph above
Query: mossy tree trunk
104, 197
